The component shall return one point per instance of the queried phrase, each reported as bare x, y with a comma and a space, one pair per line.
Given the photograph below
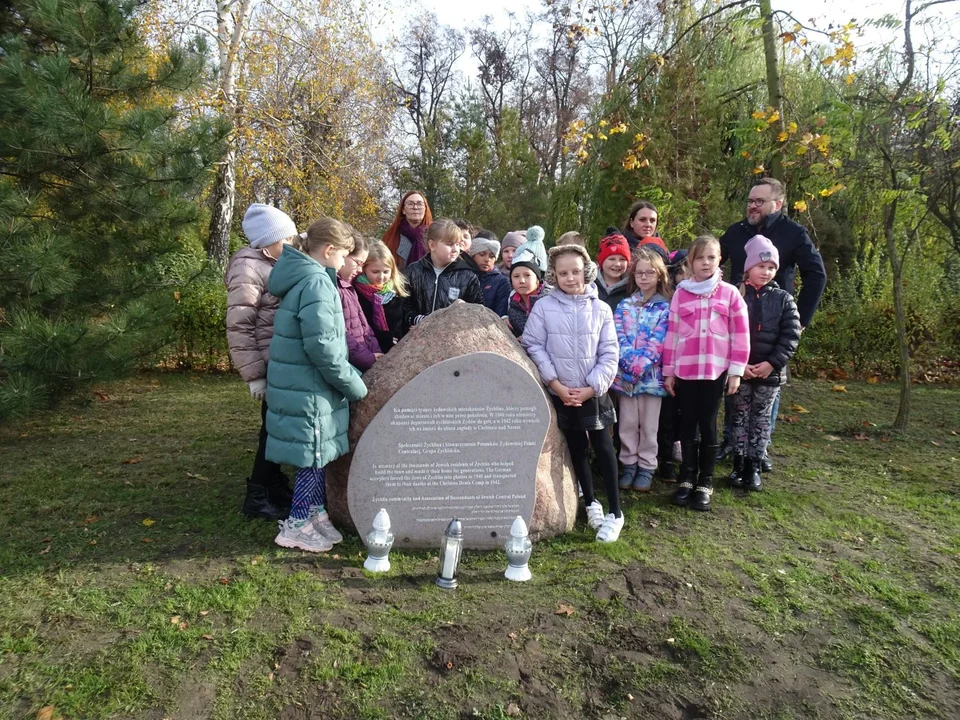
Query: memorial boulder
455, 424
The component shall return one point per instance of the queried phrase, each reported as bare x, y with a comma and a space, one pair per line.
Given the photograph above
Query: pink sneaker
321, 523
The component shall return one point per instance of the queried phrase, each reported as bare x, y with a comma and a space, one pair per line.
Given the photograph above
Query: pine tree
99, 175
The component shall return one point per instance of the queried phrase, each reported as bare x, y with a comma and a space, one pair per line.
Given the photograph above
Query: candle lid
382, 520
454, 529
519, 527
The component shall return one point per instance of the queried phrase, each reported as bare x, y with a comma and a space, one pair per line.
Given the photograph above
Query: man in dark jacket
765, 217
439, 278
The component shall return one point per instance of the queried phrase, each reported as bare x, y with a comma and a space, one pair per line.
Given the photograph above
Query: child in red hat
613, 261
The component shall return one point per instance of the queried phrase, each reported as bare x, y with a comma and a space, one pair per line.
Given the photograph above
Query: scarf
377, 296
415, 235
703, 288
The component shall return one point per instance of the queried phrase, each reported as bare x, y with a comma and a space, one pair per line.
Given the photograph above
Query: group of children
652, 338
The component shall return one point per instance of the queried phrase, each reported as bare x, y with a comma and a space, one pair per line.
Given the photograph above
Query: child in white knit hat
250, 312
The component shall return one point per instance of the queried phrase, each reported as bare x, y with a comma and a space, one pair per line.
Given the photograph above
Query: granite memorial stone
457, 332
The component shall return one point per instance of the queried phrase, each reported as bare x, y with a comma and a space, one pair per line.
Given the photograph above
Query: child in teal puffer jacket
641, 321
310, 382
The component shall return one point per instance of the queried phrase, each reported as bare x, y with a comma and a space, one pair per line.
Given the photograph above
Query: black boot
751, 475
736, 477
700, 499
688, 471
667, 472
724, 451
766, 464
279, 490
257, 504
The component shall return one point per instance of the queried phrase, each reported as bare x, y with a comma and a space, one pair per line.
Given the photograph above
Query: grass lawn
131, 587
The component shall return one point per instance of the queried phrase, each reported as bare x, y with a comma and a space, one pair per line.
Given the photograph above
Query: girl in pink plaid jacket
705, 352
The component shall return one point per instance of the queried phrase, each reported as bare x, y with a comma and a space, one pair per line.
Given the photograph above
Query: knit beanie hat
479, 244
589, 267
265, 225
514, 239
533, 249
532, 252
760, 250
655, 243
613, 244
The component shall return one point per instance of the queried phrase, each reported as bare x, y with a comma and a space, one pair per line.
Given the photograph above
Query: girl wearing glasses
641, 322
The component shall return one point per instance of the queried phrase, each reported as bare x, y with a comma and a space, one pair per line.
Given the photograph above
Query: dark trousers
699, 402
264, 472
602, 445
668, 432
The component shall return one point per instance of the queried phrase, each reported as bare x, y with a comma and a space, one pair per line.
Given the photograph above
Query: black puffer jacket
429, 292
797, 251
774, 329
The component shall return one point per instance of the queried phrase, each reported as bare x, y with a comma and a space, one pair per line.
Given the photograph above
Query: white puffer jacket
572, 338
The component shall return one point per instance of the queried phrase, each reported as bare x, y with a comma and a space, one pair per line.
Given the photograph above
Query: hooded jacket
774, 330
494, 286
571, 338
428, 292
250, 311
361, 342
614, 294
641, 331
310, 383
796, 251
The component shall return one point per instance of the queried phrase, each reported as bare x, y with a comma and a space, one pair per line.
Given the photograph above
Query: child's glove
258, 388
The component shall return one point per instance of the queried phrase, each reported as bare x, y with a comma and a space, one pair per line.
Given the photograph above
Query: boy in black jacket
774, 336
441, 277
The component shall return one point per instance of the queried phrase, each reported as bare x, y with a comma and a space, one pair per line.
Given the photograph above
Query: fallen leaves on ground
148, 522
800, 409
790, 418
512, 710
132, 461
832, 438
46, 713
564, 610
861, 436
839, 388
91, 519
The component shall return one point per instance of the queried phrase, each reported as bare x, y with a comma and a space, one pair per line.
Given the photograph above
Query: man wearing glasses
797, 251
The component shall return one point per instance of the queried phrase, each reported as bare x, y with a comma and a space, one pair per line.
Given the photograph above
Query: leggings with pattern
751, 426
309, 492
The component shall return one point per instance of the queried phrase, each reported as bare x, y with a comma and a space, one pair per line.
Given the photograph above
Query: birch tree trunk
232, 18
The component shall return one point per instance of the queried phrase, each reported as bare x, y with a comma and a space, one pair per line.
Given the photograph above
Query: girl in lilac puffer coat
571, 338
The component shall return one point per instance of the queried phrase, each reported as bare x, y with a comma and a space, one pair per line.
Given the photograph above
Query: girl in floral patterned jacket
641, 322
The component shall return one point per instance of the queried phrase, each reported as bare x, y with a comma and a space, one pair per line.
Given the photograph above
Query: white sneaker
595, 515
677, 454
610, 531
304, 537
321, 523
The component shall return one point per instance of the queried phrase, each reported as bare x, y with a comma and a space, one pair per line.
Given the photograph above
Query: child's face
614, 266
377, 272
507, 255
569, 272
706, 263
352, 265
465, 240
442, 253
762, 274
330, 256
524, 280
646, 278
485, 260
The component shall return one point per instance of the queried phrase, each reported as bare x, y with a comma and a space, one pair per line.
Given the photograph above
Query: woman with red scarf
405, 236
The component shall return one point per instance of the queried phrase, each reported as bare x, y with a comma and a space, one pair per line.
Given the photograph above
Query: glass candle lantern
518, 548
450, 551
379, 541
